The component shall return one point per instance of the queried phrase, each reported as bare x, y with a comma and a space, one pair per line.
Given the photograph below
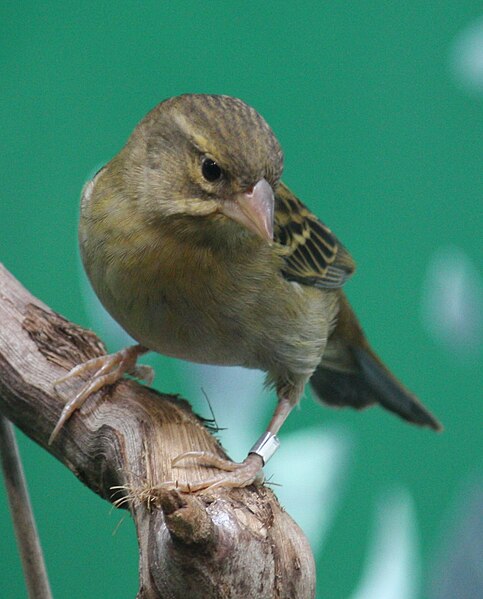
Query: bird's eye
210, 170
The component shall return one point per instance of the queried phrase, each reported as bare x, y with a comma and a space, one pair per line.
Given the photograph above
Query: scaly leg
105, 370
238, 474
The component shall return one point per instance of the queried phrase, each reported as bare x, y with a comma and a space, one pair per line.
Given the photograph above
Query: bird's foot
102, 371
233, 474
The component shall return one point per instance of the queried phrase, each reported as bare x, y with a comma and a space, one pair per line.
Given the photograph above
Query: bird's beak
253, 209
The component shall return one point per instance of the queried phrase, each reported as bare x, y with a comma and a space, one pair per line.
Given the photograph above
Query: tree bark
224, 543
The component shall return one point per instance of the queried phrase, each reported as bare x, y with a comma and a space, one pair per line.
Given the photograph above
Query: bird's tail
351, 374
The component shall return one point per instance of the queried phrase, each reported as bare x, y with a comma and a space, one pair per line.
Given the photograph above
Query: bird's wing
313, 254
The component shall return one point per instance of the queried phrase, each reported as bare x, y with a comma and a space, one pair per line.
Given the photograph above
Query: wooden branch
227, 543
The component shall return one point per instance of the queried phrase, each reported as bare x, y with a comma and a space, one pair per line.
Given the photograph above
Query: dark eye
210, 170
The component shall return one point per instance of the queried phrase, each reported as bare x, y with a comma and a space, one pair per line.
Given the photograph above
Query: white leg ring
266, 446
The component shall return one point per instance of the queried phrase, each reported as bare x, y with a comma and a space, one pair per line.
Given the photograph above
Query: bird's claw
103, 371
232, 475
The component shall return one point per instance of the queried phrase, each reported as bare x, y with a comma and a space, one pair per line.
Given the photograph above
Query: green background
382, 132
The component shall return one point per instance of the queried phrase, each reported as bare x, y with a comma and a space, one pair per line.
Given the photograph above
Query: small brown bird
198, 250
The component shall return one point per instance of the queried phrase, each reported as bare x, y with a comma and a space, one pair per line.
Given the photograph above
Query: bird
199, 251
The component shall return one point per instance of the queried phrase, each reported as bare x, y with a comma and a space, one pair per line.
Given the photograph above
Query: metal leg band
266, 446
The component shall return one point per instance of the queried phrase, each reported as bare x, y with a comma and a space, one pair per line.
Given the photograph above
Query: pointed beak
253, 209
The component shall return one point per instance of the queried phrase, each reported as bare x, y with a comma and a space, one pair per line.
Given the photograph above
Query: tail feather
351, 374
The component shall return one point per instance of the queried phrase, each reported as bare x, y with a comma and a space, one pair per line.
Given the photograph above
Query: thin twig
28, 541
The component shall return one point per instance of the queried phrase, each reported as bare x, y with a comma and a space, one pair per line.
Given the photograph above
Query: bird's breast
209, 306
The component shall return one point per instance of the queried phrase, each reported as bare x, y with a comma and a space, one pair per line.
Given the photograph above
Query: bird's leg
102, 371
238, 474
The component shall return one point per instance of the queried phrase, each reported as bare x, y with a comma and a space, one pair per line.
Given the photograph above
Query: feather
313, 254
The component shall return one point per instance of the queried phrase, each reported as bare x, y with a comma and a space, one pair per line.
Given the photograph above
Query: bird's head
205, 156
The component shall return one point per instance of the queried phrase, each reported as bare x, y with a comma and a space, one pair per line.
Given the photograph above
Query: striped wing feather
314, 255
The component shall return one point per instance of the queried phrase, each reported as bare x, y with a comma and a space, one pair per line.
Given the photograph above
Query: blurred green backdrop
379, 109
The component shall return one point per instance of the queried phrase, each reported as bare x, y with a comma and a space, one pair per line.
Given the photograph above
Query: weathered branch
227, 543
